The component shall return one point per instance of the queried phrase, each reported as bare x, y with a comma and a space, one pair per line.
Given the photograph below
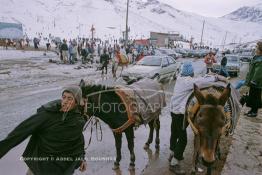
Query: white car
154, 67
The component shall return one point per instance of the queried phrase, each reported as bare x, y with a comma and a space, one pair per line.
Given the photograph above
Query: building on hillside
11, 31
158, 39
141, 42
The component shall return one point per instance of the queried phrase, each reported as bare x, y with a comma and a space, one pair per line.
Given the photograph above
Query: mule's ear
200, 97
225, 95
82, 83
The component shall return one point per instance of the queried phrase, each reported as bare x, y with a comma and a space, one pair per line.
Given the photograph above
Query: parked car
154, 67
246, 56
182, 51
169, 52
233, 65
57, 40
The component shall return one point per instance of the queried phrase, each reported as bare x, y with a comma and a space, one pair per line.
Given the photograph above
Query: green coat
255, 72
56, 143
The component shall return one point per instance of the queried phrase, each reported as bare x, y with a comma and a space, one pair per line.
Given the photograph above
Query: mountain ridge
247, 14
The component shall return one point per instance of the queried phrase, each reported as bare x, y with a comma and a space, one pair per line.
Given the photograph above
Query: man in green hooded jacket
56, 146
254, 81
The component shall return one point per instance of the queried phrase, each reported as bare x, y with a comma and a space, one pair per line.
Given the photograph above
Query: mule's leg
209, 170
118, 144
151, 133
130, 141
195, 155
218, 151
157, 127
121, 71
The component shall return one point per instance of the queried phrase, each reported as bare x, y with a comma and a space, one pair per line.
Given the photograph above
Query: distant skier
104, 60
64, 50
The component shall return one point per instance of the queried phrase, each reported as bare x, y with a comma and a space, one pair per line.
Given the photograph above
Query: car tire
175, 75
156, 77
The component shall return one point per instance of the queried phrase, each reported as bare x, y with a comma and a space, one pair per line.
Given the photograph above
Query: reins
93, 121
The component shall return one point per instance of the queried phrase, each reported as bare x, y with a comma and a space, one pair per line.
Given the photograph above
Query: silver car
154, 67
233, 65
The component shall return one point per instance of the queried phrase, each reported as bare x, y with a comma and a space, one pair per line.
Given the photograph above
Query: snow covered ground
22, 69
32, 81
69, 19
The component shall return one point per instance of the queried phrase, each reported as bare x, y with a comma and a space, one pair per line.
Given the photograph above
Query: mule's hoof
146, 146
131, 168
193, 173
200, 170
115, 167
177, 170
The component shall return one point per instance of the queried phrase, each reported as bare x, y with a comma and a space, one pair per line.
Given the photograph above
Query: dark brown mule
209, 124
105, 103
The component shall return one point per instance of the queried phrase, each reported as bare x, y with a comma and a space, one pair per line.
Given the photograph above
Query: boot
177, 169
252, 114
171, 155
247, 113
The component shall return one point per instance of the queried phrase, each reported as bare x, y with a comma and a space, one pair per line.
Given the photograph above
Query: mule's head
86, 88
210, 121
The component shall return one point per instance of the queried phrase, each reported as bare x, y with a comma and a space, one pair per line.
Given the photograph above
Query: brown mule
208, 124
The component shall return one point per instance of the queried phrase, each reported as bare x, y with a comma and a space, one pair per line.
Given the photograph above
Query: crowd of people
56, 128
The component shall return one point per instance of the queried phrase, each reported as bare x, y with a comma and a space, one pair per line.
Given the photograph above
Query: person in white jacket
182, 90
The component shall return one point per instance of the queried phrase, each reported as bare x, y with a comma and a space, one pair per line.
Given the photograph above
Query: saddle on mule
143, 101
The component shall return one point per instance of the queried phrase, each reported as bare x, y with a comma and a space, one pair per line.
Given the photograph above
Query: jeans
223, 71
71, 58
104, 67
209, 69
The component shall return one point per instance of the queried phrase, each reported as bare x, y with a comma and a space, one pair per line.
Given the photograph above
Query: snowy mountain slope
70, 18
251, 14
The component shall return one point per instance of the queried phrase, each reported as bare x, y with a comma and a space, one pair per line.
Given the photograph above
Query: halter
192, 112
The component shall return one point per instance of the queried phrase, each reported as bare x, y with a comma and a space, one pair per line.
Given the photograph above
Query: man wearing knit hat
71, 98
56, 146
182, 90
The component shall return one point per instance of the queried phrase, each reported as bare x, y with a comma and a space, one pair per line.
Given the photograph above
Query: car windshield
150, 61
232, 58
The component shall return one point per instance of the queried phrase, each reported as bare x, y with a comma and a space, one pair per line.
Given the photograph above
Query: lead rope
100, 128
91, 130
93, 121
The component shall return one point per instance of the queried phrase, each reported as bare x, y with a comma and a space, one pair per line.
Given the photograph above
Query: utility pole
191, 42
79, 30
202, 33
126, 38
240, 40
92, 30
225, 40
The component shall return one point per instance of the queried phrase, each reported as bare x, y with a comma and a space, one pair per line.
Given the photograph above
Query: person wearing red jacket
210, 60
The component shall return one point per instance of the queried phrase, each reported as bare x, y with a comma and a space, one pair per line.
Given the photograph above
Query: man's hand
83, 166
224, 79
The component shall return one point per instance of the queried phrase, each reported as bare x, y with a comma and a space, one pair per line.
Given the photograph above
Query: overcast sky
211, 8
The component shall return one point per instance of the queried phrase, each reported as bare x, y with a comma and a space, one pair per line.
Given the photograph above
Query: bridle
194, 128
